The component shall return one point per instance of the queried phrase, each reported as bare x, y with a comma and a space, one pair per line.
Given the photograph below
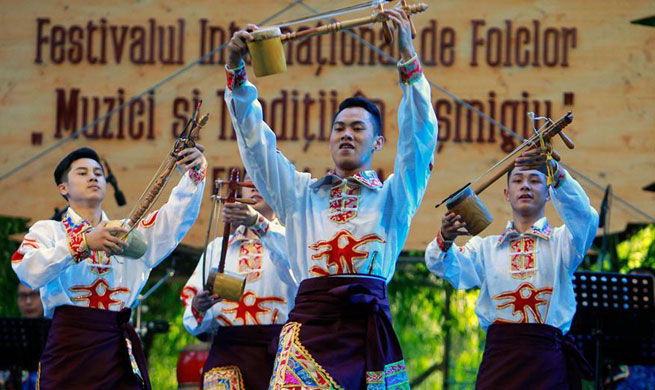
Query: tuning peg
567, 141
411, 23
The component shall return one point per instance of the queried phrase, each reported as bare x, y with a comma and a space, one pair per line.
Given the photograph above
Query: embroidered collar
367, 178
240, 233
540, 229
77, 220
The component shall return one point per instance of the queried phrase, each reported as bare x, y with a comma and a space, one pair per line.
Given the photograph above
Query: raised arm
572, 205
275, 177
417, 127
166, 227
580, 219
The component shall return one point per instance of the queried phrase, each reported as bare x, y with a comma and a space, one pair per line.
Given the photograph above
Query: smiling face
353, 141
527, 192
84, 182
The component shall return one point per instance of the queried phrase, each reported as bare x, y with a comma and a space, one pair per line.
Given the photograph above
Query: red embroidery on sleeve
197, 175
187, 294
150, 221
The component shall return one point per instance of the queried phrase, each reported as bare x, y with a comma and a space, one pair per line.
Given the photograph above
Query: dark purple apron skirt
86, 349
530, 356
346, 326
250, 348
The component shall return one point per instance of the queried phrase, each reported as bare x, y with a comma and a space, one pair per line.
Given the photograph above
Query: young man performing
526, 301
345, 230
245, 332
87, 287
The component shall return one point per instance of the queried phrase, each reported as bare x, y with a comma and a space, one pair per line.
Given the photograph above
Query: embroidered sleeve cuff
198, 315
261, 226
410, 71
77, 246
197, 174
443, 244
236, 77
559, 176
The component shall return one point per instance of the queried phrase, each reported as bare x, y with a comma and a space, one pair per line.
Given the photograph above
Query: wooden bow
377, 17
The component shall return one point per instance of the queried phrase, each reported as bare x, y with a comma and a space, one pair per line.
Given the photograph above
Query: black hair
62, 169
542, 169
376, 117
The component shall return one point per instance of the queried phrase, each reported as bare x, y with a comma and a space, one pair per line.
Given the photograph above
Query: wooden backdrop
65, 63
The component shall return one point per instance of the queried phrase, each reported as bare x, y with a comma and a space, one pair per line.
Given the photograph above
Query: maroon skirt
345, 327
530, 356
92, 349
251, 349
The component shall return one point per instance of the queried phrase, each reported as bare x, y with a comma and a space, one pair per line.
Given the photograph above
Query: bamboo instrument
466, 202
136, 243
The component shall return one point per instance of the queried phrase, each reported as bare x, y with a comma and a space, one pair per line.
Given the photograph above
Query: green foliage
165, 305
418, 305
637, 251
8, 279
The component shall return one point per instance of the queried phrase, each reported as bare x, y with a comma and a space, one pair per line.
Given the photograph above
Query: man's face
29, 302
253, 193
353, 140
85, 181
527, 192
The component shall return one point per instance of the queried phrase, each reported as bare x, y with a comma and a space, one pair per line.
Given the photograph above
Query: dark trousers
88, 349
530, 357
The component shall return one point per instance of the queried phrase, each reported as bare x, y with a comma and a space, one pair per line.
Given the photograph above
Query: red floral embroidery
236, 77
76, 241
340, 253
249, 309
187, 294
150, 220
250, 260
99, 295
523, 300
100, 258
344, 201
523, 259
198, 174
411, 71
17, 257
261, 226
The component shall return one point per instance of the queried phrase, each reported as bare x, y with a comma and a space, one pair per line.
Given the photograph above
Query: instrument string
147, 189
329, 14
549, 171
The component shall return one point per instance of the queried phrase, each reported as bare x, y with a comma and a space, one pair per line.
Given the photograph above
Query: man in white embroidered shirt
345, 230
87, 286
526, 302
